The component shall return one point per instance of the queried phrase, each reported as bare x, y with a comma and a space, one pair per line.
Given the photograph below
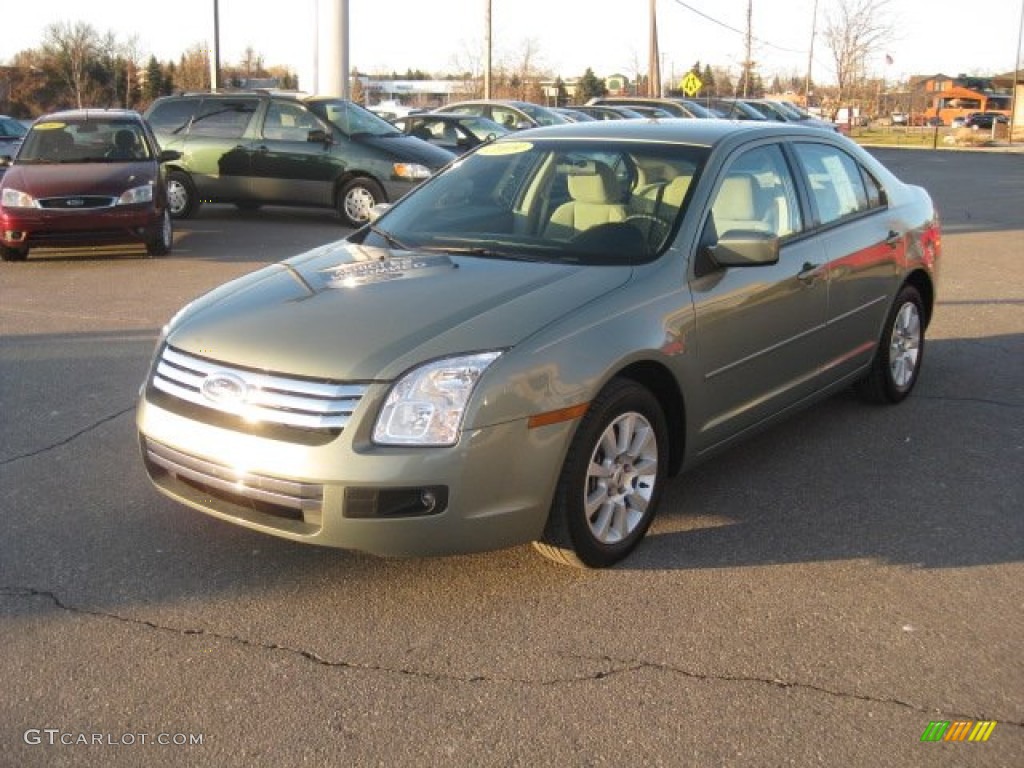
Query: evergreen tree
590, 86
154, 79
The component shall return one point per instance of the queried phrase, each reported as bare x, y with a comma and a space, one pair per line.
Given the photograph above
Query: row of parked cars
93, 177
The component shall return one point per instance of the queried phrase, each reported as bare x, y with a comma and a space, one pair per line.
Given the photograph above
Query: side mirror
169, 155
318, 136
522, 125
745, 248
378, 210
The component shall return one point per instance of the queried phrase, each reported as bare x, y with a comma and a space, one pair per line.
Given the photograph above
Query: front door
759, 328
289, 167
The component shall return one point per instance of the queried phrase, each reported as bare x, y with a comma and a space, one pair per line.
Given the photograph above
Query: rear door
217, 150
865, 247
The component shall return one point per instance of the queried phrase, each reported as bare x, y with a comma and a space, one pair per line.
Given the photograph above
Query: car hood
350, 312
59, 180
409, 149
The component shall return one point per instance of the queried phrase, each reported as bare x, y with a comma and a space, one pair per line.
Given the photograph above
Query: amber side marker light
554, 417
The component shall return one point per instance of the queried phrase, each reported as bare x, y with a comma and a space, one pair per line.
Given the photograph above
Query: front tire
161, 244
900, 352
611, 481
13, 254
355, 199
182, 200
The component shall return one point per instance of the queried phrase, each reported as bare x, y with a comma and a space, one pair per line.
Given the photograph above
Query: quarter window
224, 118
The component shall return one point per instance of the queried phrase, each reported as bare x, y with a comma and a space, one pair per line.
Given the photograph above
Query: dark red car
83, 178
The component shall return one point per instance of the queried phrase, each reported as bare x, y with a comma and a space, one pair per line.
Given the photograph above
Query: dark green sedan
531, 343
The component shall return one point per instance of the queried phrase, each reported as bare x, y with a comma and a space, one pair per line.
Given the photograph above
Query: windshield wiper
477, 250
389, 238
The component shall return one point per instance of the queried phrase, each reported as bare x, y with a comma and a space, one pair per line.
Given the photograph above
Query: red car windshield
85, 141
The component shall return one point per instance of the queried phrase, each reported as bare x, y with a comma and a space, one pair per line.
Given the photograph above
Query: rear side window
838, 185
224, 118
172, 116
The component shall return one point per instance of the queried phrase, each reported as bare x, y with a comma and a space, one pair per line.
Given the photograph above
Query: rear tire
610, 484
900, 352
161, 244
182, 200
13, 254
355, 199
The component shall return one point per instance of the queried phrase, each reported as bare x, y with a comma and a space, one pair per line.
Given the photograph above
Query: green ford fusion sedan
529, 345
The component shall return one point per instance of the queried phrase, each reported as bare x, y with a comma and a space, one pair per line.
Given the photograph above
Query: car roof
669, 130
88, 114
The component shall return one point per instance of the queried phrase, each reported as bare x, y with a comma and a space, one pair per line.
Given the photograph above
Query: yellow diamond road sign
691, 84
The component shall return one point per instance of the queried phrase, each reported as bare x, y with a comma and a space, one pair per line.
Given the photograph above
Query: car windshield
85, 140
483, 129
11, 128
611, 203
543, 116
353, 120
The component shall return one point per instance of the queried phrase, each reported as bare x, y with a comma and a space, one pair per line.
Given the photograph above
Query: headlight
410, 171
136, 195
12, 198
425, 407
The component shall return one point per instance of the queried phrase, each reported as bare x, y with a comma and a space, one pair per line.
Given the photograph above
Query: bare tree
194, 68
525, 70
854, 31
72, 49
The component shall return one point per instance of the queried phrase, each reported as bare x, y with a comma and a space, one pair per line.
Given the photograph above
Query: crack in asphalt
618, 666
70, 438
977, 400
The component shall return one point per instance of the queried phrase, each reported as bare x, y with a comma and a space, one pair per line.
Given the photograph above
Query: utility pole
810, 56
747, 63
653, 62
487, 53
215, 53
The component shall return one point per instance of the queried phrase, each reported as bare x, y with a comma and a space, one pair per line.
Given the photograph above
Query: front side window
837, 184
559, 201
286, 121
757, 194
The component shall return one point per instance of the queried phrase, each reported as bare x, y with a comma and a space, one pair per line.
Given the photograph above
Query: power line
733, 29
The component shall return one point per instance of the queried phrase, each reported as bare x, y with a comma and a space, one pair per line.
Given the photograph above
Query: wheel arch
922, 281
657, 379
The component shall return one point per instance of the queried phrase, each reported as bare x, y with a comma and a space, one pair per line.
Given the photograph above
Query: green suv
264, 148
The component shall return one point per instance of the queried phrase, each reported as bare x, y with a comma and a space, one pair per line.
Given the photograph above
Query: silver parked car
529, 345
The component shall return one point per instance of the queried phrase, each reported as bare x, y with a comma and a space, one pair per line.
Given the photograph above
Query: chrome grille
258, 397
78, 202
305, 497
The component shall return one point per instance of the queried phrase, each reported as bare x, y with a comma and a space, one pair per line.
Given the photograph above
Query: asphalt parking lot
816, 596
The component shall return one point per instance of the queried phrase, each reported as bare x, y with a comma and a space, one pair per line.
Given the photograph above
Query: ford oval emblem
224, 388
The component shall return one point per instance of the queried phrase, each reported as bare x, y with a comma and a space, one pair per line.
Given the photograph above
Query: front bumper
34, 228
495, 486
